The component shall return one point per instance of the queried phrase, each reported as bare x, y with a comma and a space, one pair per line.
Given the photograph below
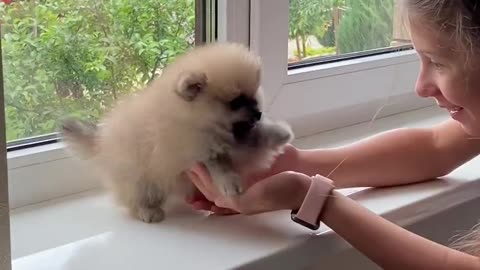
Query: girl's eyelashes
433, 62
436, 64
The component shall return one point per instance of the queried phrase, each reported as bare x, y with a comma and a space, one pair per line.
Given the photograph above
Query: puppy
205, 107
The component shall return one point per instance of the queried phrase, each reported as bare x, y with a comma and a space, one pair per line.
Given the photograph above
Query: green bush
310, 17
311, 52
328, 38
76, 57
366, 25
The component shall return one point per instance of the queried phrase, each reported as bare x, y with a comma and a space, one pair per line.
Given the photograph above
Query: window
356, 85
339, 29
77, 57
43, 39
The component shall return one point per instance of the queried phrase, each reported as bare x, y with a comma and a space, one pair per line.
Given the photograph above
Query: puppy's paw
278, 134
150, 215
231, 185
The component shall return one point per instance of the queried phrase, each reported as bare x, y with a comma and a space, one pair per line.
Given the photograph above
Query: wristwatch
310, 211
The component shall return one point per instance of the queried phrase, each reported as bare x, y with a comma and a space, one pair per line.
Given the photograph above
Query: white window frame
310, 99
328, 96
46, 172
5, 251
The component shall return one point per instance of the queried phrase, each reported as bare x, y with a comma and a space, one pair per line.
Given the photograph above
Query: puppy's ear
190, 84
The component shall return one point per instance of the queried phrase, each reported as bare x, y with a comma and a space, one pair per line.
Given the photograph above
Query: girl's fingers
199, 183
209, 206
223, 211
195, 195
202, 205
202, 174
201, 178
206, 181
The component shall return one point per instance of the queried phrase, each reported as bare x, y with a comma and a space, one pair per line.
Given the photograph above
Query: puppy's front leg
223, 175
274, 134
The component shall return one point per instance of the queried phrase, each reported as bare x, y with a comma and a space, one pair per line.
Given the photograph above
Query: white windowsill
84, 231
351, 65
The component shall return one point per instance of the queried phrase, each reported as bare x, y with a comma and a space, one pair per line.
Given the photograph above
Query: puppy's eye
239, 102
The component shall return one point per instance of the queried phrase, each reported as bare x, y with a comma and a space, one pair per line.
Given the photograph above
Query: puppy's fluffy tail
80, 137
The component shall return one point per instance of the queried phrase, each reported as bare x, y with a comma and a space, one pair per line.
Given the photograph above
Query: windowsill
351, 65
85, 231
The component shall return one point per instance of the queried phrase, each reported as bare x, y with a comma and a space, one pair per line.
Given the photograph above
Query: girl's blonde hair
461, 20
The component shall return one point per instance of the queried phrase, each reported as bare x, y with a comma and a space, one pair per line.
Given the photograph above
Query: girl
446, 36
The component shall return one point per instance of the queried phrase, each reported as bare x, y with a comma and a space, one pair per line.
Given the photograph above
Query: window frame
386, 85
205, 33
5, 249
290, 95
40, 168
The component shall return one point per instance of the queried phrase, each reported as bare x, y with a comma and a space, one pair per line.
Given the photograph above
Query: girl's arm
397, 157
385, 243
388, 245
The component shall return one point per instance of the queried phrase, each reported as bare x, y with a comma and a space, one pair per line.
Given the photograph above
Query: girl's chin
472, 129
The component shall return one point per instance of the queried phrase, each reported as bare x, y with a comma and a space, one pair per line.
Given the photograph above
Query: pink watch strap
309, 213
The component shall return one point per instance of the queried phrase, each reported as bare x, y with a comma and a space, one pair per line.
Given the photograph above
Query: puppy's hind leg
148, 202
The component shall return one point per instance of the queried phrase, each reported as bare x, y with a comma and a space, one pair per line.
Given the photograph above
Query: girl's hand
283, 191
285, 162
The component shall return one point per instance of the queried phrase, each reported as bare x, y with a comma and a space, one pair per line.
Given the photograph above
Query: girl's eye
436, 65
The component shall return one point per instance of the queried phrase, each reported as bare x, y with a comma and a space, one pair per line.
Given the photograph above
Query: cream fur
148, 140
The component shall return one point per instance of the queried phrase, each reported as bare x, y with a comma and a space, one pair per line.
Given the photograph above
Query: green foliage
77, 57
363, 24
314, 52
366, 25
328, 38
310, 17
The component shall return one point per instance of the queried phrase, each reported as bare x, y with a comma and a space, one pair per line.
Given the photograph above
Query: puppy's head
222, 81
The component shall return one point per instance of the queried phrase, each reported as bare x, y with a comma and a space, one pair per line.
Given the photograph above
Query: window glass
321, 29
77, 57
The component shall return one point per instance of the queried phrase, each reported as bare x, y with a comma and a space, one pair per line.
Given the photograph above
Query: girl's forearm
397, 157
388, 245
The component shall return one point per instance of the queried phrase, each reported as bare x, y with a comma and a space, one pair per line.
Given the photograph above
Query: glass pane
320, 28
76, 57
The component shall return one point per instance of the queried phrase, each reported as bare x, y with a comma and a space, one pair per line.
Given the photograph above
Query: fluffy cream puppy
205, 107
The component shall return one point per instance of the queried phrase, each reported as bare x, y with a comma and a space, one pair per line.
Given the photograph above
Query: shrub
76, 57
366, 25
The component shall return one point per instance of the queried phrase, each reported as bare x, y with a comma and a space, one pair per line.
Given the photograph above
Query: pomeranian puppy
204, 107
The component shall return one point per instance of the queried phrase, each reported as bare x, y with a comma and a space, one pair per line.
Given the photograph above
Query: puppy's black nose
257, 115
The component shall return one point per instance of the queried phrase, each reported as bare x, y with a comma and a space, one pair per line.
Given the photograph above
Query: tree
366, 25
310, 17
77, 57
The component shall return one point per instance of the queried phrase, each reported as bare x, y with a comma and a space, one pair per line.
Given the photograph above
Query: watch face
304, 223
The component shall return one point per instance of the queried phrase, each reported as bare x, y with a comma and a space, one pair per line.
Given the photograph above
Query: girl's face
446, 76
